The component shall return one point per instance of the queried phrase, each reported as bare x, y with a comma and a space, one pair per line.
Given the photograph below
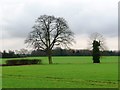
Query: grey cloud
83, 18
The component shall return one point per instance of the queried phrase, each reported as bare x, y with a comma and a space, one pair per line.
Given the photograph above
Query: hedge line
22, 62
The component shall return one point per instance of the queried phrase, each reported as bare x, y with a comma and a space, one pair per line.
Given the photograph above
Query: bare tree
49, 31
23, 51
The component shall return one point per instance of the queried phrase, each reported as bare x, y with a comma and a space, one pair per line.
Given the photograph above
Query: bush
23, 62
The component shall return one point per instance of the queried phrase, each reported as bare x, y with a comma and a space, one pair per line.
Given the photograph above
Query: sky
84, 17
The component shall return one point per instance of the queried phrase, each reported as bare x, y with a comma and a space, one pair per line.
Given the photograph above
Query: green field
66, 72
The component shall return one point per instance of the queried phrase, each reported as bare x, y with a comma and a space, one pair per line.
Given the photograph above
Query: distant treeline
10, 54
65, 52
55, 52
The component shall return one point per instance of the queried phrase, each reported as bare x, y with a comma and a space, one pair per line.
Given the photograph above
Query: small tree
96, 52
49, 31
98, 44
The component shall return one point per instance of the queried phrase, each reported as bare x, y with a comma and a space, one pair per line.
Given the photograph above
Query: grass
66, 72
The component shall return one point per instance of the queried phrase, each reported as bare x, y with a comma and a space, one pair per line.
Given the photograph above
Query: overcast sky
83, 16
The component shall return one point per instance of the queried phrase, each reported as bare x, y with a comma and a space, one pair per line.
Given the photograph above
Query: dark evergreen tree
97, 41
96, 52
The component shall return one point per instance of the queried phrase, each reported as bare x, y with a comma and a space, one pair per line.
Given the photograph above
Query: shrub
23, 62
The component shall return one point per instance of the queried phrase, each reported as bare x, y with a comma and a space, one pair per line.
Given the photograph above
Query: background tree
97, 43
96, 51
49, 31
23, 52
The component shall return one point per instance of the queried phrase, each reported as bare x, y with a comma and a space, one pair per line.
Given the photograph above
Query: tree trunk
50, 59
50, 56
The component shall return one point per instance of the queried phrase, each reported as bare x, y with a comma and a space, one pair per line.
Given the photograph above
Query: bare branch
49, 31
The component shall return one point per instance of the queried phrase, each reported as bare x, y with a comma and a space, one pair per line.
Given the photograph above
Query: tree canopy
50, 31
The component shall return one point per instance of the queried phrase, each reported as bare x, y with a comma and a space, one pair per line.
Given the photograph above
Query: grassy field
66, 72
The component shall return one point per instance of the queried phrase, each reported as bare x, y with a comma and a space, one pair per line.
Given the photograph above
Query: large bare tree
49, 31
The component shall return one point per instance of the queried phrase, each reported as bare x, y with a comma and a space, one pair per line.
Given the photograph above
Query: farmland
66, 72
